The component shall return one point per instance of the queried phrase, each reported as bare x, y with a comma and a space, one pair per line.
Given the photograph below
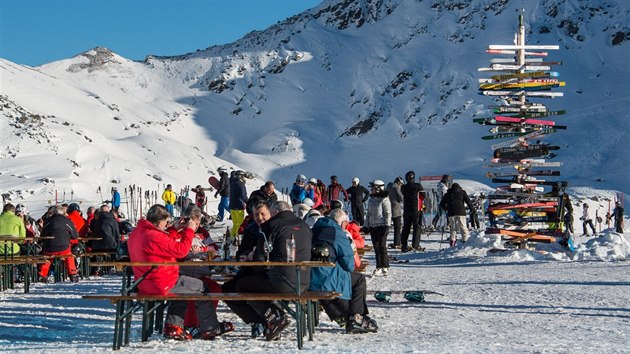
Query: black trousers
619, 225
409, 221
356, 305
358, 213
379, 241
255, 311
590, 223
397, 221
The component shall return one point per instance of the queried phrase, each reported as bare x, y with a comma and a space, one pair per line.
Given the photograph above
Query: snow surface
544, 301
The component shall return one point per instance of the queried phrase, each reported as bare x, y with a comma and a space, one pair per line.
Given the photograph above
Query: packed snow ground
545, 300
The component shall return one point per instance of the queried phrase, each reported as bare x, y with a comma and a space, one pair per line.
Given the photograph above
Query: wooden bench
7, 272
304, 302
305, 307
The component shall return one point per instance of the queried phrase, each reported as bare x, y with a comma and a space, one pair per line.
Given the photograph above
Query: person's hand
193, 224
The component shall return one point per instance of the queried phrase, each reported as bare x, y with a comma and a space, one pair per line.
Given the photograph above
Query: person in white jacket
379, 216
587, 220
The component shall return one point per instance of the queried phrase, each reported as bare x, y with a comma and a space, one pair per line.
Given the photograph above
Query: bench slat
309, 295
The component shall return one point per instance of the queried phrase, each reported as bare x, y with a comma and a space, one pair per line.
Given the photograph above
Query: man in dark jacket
238, 201
336, 191
453, 202
62, 230
266, 193
396, 199
411, 191
272, 246
224, 192
106, 227
358, 195
351, 307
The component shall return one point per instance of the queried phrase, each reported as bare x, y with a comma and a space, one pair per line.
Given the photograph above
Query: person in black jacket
224, 192
453, 202
266, 193
411, 215
238, 201
62, 230
106, 227
358, 195
272, 246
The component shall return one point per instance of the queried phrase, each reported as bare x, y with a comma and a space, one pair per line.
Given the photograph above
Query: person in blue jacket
300, 191
351, 307
115, 199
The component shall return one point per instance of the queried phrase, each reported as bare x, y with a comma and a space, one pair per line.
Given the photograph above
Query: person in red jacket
74, 214
149, 242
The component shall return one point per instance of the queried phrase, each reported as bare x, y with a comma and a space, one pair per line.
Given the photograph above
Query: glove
216, 195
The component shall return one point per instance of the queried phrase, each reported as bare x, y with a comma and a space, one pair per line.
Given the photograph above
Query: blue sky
35, 32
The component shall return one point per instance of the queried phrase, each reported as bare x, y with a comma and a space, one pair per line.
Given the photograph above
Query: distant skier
224, 192
568, 214
358, 195
455, 202
441, 190
335, 190
411, 217
115, 199
238, 201
618, 215
168, 196
200, 197
396, 199
587, 220
300, 191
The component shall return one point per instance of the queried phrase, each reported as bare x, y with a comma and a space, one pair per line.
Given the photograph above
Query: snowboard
214, 182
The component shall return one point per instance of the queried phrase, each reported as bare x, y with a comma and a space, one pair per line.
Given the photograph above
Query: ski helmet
313, 180
355, 180
336, 204
410, 176
399, 180
320, 252
72, 207
300, 178
378, 184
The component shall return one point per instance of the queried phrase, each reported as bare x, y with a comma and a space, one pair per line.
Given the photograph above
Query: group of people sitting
57, 233
264, 238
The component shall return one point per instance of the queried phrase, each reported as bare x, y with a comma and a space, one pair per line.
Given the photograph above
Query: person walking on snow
224, 192
358, 195
587, 220
379, 215
453, 202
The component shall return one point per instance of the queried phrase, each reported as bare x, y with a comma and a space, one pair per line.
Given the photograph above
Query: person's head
269, 188
377, 186
240, 174
60, 210
410, 177
8, 207
312, 182
618, 203
308, 202
158, 216
444, 179
73, 207
340, 217
334, 179
355, 181
399, 180
20, 210
261, 212
222, 170
280, 206
585, 205
114, 189
336, 204
91, 210
169, 187
105, 208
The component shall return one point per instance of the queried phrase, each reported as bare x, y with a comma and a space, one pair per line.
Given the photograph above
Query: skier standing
238, 201
411, 191
224, 192
396, 199
335, 190
618, 215
441, 190
169, 198
115, 199
379, 214
358, 195
587, 220
453, 202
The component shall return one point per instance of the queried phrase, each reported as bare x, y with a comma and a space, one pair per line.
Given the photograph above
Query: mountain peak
95, 59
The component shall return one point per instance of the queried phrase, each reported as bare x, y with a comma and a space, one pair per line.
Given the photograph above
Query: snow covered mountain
371, 88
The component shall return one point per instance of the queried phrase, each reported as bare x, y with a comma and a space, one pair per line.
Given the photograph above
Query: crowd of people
315, 224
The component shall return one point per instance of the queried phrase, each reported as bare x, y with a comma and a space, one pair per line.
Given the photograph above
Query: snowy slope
367, 88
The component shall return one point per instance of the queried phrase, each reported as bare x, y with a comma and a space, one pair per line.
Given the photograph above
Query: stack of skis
528, 205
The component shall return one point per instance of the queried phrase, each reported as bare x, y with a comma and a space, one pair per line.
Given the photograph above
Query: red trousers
71, 267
